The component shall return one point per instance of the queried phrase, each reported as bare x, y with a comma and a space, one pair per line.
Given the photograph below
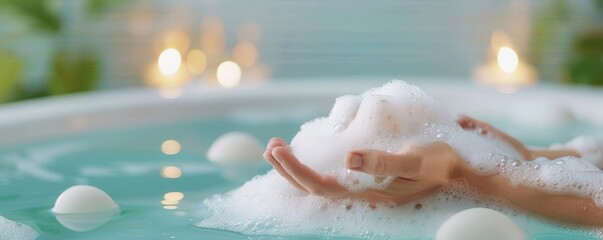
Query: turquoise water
127, 163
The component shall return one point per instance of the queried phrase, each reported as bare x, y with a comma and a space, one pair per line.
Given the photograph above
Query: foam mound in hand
381, 118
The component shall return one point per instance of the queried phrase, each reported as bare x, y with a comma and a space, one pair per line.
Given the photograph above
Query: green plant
585, 64
73, 72
72, 68
10, 73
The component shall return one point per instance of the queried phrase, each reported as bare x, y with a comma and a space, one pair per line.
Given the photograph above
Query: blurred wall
293, 39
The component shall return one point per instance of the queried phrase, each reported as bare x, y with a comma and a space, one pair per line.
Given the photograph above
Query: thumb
381, 163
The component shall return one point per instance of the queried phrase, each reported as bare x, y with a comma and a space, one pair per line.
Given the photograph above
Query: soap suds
386, 118
15, 230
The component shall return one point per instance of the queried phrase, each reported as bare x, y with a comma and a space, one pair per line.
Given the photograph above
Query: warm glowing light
499, 39
168, 202
245, 54
170, 147
507, 59
504, 69
171, 172
171, 200
169, 61
196, 61
173, 196
212, 37
229, 74
177, 39
170, 83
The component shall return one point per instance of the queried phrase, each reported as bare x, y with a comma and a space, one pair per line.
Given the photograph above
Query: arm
564, 208
552, 154
420, 169
469, 123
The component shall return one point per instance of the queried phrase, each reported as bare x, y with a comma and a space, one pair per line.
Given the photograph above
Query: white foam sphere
83, 199
235, 148
83, 208
479, 224
540, 115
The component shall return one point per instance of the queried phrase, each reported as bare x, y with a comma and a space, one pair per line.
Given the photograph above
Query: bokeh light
499, 39
196, 62
173, 196
170, 147
212, 37
169, 61
245, 54
171, 200
171, 172
507, 59
178, 39
229, 74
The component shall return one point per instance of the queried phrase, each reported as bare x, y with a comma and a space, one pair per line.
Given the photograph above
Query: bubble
338, 127
442, 135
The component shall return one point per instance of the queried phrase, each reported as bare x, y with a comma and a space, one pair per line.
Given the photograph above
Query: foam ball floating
478, 224
82, 208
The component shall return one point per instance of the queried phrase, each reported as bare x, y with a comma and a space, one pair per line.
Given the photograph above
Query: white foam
590, 149
381, 118
386, 118
15, 230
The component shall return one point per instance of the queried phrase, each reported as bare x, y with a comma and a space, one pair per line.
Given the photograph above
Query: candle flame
507, 59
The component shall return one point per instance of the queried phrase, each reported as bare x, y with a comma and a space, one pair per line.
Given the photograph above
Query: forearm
565, 208
552, 154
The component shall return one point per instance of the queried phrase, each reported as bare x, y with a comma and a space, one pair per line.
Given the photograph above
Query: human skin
421, 168
469, 123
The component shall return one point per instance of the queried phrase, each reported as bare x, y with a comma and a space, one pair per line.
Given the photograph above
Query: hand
419, 168
484, 128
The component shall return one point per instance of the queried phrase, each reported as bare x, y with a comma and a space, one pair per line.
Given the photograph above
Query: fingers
465, 122
382, 163
279, 142
469, 123
313, 182
274, 142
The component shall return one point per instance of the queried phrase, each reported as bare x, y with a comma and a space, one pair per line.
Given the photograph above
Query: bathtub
113, 140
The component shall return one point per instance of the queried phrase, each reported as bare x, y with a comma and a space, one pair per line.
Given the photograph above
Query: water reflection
171, 172
171, 200
170, 147
86, 221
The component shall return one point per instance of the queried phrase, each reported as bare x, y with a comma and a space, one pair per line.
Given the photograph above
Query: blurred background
53, 47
